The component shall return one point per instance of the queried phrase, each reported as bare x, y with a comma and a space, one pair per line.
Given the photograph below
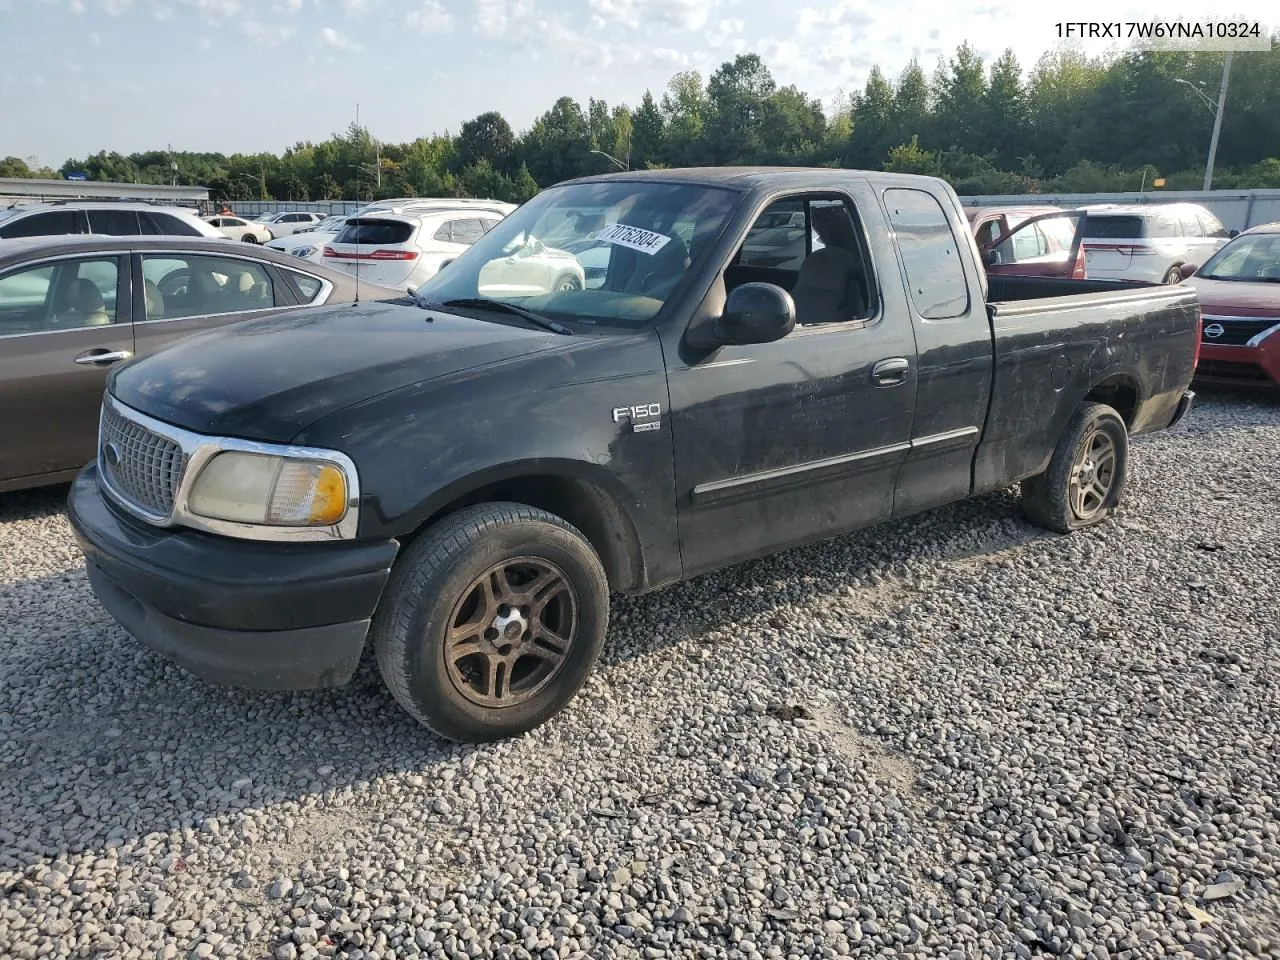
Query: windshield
1250, 257
608, 253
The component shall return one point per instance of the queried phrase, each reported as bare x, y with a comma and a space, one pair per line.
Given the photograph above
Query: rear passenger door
784, 442
953, 343
63, 323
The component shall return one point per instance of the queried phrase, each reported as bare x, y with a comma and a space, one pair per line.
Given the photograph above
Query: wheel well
580, 502
1120, 393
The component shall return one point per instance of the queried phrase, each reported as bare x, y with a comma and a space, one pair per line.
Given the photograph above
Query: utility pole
1217, 122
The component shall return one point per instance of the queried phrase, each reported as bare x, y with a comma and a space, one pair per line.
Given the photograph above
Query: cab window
812, 247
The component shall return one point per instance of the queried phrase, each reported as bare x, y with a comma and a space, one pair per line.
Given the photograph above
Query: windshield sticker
646, 241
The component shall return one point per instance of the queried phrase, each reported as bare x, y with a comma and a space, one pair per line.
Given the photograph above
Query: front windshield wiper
1215, 276
536, 319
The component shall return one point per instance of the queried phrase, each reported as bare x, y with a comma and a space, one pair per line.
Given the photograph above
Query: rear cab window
930, 254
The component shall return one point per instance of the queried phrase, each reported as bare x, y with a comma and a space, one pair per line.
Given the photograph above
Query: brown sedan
70, 307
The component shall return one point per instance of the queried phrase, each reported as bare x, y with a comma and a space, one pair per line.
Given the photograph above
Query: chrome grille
147, 467
1236, 331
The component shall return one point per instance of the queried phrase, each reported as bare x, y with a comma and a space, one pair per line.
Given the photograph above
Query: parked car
1149, 241
1239, 291
425, 204
237, 228
289, 222
108, 217
71, 307
1046, 249
309, 245
461, 481
405, 249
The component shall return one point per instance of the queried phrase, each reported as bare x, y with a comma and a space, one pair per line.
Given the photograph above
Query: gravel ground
953, 736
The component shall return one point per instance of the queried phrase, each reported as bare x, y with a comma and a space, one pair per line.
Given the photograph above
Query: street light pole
1217, 122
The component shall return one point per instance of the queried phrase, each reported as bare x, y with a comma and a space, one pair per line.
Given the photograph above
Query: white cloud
673, 14
77, 6
334, 40
271, 35
430, 17
492, 17
116, 7
355, 7
95, 39
162, 12
216, 9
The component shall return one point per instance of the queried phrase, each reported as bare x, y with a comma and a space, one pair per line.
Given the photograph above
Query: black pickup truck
631, 380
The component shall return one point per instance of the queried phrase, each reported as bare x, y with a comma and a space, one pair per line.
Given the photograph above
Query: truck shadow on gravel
102, 741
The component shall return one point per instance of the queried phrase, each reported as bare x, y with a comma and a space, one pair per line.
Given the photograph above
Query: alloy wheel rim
1093, 474
511, 632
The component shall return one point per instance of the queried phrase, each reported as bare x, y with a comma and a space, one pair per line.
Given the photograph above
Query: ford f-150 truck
459, 480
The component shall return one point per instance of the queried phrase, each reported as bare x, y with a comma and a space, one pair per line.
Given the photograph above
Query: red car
1239, 288
1045, 248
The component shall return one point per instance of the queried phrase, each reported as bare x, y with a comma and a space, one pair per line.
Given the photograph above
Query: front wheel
1086, 475
491, 621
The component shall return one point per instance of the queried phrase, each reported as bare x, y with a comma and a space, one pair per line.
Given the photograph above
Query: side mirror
756, 313
1188, 269
1233, 234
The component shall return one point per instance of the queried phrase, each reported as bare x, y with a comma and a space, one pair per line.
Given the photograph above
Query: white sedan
288, 222
310, 245
237, 228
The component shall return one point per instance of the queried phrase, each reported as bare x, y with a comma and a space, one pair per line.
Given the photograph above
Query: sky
78, 76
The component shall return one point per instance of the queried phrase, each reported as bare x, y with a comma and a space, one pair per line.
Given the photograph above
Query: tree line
1071, 123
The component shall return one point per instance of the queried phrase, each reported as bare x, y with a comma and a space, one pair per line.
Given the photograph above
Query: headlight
303, 252
262, 489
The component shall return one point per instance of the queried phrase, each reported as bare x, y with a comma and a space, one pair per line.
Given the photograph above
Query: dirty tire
1052, 499
438, 572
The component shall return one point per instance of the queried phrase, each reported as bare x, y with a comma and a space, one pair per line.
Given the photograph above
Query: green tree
487, 137
684, 110
912, 158
738, 94
873, 121
648, 132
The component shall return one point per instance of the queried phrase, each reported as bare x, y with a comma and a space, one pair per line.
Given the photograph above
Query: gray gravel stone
952, 736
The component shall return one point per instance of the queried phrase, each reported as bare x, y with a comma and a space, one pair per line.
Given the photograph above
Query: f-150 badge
644, 417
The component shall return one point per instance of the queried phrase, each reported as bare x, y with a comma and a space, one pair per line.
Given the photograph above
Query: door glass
309, 287
200, 286
467, 231
930, 254
54, 224
777, 238
115, 223
1190, 225
66, 295
170, 226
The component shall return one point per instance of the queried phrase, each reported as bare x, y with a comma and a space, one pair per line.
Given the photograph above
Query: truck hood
270, 378
1238, 298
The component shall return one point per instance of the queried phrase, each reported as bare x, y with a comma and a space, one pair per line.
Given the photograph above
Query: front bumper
1243, 366
270, 616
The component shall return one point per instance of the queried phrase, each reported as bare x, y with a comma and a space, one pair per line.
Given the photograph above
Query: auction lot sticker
646, 241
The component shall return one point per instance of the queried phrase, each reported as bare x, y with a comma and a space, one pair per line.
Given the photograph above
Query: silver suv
113, 218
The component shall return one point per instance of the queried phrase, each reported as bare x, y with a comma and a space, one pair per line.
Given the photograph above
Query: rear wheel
1174, 275
567, 282
1086, 475
250, 238
492, 621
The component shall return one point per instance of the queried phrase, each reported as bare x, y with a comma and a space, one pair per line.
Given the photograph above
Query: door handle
891, 372
100, 355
